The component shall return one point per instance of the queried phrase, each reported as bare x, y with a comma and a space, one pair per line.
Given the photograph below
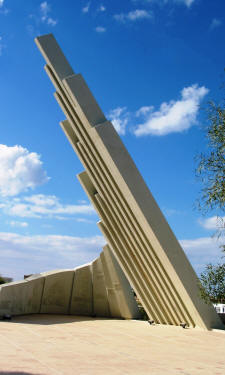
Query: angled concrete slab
131, 221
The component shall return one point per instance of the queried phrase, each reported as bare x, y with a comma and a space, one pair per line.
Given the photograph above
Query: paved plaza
66, 345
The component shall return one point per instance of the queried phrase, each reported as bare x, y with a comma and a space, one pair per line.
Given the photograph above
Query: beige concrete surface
100, 296
21, 297
121, 289
69, 345
82, 292
57, 292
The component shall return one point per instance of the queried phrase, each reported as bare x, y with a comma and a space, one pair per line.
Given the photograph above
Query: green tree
212, 288
211, 172
211, 166
2, 280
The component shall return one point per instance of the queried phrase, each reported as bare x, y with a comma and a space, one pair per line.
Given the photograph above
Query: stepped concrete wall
79, 291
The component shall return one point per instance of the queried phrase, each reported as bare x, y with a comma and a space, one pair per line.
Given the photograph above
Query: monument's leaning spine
131, 221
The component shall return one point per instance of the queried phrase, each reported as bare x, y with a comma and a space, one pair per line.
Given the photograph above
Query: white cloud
139, 14
212, 223
83, 220
51, 21
82, 201
22, 255
215, 23
102, 8
19, 224
188, 3
43, 206
134, 15
100, 29
175, 116
171, 212
20, 170
1, 3
86, 8
45, 9
202, 251
119, 118
143, 111
1, 46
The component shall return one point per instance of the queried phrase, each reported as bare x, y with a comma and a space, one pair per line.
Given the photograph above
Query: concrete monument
141, 246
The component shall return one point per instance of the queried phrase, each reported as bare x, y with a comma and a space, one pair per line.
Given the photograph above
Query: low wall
95, 289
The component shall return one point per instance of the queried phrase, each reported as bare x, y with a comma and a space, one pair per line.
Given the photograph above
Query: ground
68, 345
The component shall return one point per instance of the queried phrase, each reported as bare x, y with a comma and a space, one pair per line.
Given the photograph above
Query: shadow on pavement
49, 319
17, 373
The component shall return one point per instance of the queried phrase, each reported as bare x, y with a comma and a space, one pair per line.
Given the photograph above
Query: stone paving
69, 345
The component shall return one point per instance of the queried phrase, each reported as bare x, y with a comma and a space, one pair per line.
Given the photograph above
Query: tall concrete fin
100, 295
114, 307
120, 286
138, 234
54, 56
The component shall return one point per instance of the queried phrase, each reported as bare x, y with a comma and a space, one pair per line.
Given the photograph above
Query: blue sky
151, 64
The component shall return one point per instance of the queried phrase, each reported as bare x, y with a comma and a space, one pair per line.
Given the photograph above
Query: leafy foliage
2, 280
212, 287
211, 167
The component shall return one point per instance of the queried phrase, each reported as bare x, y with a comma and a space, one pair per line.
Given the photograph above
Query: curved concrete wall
84, 290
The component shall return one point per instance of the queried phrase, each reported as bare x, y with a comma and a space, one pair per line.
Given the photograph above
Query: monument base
99, 288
